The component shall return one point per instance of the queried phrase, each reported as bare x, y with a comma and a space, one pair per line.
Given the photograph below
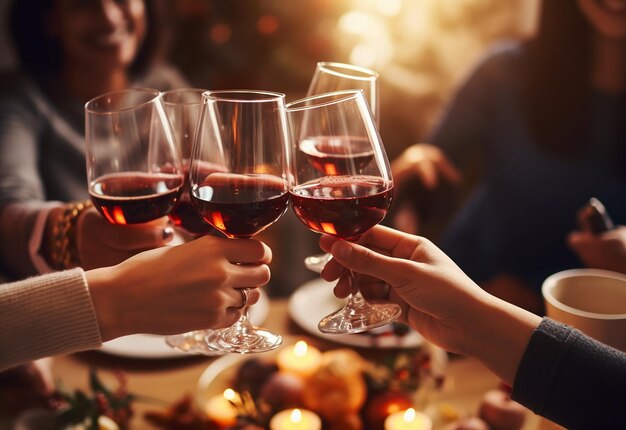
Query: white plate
315, 299
154, 346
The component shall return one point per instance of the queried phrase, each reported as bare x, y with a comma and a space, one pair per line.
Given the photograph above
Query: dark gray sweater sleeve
572, 379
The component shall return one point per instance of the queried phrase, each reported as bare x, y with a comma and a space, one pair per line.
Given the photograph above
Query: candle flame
409, 415
300, 349
229, 394
296, 416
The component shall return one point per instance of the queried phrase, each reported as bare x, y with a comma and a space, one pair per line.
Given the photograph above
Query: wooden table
169, 380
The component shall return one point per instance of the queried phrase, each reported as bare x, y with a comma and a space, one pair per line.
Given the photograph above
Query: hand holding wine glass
343, 195
134, 176
329, 77
239, 184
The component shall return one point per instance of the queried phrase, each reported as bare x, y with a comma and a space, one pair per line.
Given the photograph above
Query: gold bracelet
64, 251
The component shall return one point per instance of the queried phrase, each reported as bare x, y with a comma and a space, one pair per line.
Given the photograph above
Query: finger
342, 289
370, 288
253, 296
137, 236
577, 239
249, 276
363, 260
386, 240
374, 289
332, 270
246, 251
235, 298
326, 242
231, 316
448, 170
428, 175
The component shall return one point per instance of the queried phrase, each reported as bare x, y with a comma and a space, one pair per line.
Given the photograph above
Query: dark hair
40, 54
557, 84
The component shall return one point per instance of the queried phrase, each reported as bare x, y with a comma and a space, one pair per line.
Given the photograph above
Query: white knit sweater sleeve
46, 315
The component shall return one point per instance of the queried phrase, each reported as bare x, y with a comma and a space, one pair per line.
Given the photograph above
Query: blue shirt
517, 218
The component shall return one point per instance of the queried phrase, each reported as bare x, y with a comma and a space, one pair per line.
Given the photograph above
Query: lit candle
221, 410
301, 360
408, 420
295, 419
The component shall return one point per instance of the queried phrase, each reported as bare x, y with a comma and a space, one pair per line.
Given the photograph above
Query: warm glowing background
420, 47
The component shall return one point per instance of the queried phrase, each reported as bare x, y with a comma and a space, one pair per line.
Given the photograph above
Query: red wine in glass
342, 206
240, 206
338, 155
183, 214
135, 197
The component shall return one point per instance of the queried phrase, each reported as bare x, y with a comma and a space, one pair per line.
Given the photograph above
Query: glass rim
349, 94
334, 68
156, 95
222, 95
185, 90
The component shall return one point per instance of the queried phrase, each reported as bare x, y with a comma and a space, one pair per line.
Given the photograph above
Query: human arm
555, 370
164, 291
572, 379
42, 159
601, 251
437, 298
22, 195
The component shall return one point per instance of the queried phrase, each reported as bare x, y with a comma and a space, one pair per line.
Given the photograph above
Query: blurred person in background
542, 122
69, 51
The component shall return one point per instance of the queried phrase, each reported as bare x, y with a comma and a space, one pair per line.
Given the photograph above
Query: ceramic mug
591, 300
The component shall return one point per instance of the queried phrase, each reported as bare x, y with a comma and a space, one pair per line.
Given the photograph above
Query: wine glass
239, 183
182, 107
332, 76
349, 201
133, 167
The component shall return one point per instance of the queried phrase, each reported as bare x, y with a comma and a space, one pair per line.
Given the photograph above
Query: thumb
363, 260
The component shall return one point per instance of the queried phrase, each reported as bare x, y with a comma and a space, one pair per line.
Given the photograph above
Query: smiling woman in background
69, 52
545, 118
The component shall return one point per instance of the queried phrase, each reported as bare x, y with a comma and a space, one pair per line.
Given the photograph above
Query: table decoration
221, 408
102, 408
295, 419
408, 420
346, 392
302, 360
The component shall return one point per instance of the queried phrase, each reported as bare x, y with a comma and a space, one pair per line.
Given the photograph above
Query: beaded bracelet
64, 252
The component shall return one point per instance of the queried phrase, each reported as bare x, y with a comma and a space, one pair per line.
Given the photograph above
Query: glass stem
243, 323
355, 298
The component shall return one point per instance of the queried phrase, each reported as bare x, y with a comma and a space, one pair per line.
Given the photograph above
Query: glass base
242, 340
191, 342
359, 316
